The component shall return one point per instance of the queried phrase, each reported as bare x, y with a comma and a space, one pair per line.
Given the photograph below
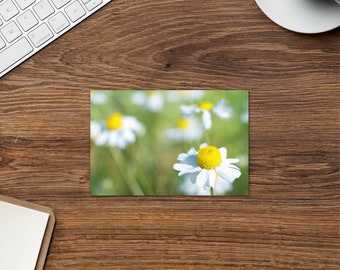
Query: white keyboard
26, 26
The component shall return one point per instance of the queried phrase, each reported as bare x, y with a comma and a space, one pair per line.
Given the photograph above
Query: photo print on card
169, 142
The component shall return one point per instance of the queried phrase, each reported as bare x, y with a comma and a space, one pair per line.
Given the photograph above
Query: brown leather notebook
25, 231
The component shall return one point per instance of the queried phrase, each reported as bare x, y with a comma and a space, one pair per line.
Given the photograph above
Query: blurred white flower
98, 97
188, 129
206, 108
245, 118
184, 95
150, 100
95, 129
118, 130
207, 165
245, 114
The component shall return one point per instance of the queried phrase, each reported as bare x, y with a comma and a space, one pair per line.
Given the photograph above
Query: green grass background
146, 167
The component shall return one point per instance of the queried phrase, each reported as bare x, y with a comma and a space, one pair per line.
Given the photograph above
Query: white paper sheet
21, 233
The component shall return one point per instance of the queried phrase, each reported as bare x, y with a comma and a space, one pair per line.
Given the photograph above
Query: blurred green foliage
146, 167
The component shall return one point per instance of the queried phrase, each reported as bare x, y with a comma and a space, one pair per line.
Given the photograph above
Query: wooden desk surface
291, 218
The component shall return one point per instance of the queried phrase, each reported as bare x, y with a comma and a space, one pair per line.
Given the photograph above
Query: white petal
193, 176
182, 156
191, 171
203, 145
192, 151
185, 168
206, 186
228, 172
113, 138
223, 152
103, 138
190, 156
212, 178
137, 126
206, 118
232, 160
187, 161
182, 167
129, 122
120, 143
188, 110
221, 110
128, 136
202, 178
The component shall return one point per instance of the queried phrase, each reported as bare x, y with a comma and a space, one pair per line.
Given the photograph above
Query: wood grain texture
291, 218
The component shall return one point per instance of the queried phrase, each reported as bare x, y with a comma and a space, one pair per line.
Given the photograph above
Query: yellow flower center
182, 124
205, 105
114, 121
209, 157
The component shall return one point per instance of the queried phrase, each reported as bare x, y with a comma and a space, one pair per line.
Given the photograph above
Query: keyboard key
93, 4
60, 3
8, 10
24, 3
27, 20
14, 53
58, 22
43, 9
40, 35
11, 31
75, 11
2, 43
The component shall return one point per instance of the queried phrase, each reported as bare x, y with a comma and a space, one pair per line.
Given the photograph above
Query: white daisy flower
187, 129
207, 165
118, 130
98, 97
184, 95
151, 100
206, 108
